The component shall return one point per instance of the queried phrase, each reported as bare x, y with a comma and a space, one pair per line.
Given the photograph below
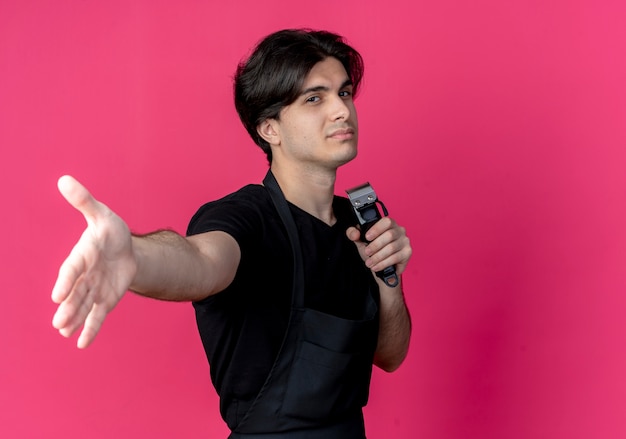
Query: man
288, 307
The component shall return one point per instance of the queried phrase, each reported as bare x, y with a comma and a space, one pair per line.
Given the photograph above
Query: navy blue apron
320, 380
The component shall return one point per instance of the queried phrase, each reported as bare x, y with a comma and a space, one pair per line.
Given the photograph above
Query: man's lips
342, 133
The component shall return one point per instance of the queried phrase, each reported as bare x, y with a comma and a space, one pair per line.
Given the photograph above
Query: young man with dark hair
289, 310
272, 77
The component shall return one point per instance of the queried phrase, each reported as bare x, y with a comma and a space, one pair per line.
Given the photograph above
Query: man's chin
347, 158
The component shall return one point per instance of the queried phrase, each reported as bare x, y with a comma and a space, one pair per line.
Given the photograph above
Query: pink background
494, 130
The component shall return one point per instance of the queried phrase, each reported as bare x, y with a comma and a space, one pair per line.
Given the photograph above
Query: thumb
79, 197
353, 234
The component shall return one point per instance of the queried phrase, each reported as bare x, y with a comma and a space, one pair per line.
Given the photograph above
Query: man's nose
340, 109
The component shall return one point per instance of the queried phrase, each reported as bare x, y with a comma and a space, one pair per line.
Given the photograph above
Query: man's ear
268, 130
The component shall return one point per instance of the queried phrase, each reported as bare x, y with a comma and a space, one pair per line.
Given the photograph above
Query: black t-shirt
243, 326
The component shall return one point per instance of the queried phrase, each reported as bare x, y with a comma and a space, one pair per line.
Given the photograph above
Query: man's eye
345, 93
313, 99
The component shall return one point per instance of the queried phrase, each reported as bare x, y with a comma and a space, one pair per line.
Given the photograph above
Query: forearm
172, 267
395, 328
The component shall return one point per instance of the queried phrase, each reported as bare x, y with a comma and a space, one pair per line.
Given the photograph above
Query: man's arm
107, 261
388, 246
172, 267
395, 328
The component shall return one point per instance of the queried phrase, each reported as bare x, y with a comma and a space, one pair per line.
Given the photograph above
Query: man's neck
312, 190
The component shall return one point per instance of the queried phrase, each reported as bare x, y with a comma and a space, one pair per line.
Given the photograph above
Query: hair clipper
364, 202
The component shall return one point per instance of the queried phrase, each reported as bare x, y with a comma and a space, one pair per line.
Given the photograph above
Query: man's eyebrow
318, 88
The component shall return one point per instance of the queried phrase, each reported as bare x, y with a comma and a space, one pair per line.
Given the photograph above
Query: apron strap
297, 294
280, 202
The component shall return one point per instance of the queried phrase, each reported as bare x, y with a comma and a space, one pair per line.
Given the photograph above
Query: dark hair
272, 77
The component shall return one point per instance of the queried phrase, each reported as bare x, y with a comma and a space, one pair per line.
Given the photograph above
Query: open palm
97, 272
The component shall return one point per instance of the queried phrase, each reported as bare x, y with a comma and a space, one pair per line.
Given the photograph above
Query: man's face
320, 127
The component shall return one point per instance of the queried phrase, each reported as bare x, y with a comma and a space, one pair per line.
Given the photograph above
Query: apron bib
320, 379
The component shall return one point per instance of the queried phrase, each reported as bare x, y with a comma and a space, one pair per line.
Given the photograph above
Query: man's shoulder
246, 204
247, 196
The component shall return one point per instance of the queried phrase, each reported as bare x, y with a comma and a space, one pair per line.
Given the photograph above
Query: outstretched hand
388, 245
97, 272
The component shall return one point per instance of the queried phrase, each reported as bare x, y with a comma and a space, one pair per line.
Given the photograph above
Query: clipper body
365, 205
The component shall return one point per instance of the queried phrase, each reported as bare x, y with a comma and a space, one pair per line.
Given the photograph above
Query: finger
93, 323
77, 318
390, 242
394, 254
72, 312
353, 234
376, 259
379, 228
70, 271
79, 197
384, 239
